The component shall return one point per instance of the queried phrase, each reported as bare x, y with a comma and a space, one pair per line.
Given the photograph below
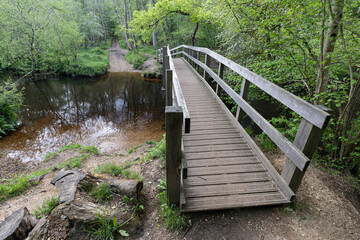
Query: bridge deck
225, 167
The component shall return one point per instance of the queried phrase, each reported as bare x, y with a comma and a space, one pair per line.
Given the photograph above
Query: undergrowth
171, 215
117, 170
46, 207
102, 192
20, 183
135, 58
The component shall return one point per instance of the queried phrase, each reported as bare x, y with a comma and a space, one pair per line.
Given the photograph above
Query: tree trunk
322, 79
117, 6
154, 40
193, 39
102, 21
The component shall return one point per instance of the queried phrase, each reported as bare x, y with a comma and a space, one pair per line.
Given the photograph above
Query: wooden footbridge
211, 161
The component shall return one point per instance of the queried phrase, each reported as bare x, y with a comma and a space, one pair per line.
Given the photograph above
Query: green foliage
46, 207
115, 170
170, 215
73, 162
146, 49
105, 227
10, 102
133, 149
102, 192
83, 149
158, 151
136, 59
17, 185
50, 156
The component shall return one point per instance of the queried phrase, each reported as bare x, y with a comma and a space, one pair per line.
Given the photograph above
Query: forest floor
323, 208
118, 62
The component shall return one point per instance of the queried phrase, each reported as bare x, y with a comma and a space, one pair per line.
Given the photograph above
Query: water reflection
63, 110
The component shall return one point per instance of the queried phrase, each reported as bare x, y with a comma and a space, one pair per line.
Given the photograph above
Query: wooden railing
315, 118
177, 116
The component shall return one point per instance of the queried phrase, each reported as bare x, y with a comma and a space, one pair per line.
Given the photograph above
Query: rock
130, 188
36, 180
80, 211
66, 182
17, 225
40, 230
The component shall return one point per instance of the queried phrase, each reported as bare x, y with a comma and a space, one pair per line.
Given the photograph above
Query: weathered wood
207, 63
220, 75
214, 148
174, 119
288, 193
231, 201
244, 94
308, 111
179, 94
215, 170
219, 154
307, 139
222, 161
299, 159
164, 66
169, 87
228, 178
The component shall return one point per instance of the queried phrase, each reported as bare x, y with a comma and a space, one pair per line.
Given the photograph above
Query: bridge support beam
307, 140
174, 119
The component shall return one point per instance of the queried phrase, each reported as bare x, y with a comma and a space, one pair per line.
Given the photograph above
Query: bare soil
118, 62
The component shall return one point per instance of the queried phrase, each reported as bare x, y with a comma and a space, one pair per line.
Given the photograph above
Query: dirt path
117, 60
118, 63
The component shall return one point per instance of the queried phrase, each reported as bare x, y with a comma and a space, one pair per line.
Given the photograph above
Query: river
114, 112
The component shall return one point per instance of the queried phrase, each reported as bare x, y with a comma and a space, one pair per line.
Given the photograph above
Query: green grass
105, 227
147, 49
83, 149
50, 156
135, 58
115, 170
102, 192
133, 149
90, 62
46, 207
158, 151
18, 184
171, 215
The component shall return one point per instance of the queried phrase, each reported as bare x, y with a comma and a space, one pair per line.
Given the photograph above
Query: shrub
102, 193
10, 102
136, 59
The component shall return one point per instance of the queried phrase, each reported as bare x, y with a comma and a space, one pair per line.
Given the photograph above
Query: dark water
117, 109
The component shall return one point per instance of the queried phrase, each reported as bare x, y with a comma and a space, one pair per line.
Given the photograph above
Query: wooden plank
234, 201
213, 122
306, 110
230, 189
288, 193
200, 171
169, 87
215, 148
299, 159
227, 178
210, 127
222, 161
208, 137
211, 131
219, 154
210, 142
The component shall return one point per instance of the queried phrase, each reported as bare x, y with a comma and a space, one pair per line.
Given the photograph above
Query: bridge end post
174, 120
169, 86
307, 140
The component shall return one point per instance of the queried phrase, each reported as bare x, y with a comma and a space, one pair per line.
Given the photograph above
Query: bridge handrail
310, 130
313, 114
179, 96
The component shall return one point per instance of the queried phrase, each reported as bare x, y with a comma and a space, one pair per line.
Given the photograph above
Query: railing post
164, 53
244, 94
306, 140
221, 75
198, 58
207, 63
169, 78
174, 119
